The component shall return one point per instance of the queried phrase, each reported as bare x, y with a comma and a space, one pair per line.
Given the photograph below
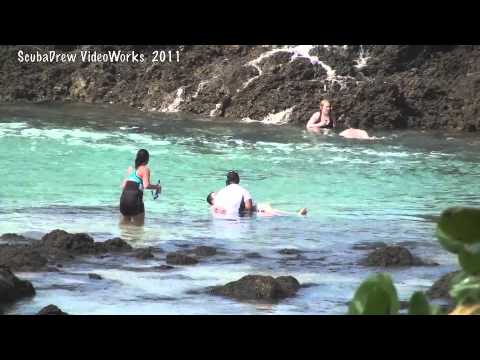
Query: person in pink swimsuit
353, 133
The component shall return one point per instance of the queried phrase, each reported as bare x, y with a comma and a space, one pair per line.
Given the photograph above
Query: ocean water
62, 167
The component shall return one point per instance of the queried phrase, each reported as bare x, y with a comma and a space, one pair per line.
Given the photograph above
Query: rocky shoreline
58, 248
372, 86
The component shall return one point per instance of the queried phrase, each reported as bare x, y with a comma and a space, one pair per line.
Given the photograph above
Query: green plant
375, 296
458, 231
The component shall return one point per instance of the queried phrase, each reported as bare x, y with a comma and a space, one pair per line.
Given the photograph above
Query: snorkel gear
157, 192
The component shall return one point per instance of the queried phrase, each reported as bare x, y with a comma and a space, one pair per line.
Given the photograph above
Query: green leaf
459, 226
469, 262
467, 291
375, 296
435, 310
419, 304
449, 244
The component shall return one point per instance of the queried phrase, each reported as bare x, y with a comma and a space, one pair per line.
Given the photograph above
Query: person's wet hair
210, 198
232, 178
142, 158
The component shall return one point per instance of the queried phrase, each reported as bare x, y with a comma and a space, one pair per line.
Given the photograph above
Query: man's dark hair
232, 178
210, 198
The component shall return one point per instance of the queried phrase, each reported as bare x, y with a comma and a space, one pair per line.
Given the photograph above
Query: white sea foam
279, 118
175, 104
214, 112
363, 57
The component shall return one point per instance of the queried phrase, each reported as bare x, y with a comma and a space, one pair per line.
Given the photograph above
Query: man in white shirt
233, 199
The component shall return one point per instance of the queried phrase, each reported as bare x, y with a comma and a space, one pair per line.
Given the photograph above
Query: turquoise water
63, 166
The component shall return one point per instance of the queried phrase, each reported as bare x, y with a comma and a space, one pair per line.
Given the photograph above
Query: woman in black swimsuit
138, 179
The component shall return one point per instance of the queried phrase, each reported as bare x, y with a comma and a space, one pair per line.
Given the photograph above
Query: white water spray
179, 98
280, 118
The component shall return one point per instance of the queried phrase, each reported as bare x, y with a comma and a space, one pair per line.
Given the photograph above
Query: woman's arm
313, 120
146, 180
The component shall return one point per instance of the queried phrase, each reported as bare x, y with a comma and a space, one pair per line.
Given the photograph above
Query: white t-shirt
230, 198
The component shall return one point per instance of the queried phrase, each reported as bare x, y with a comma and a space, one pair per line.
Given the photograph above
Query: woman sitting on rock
138, 179
322, 119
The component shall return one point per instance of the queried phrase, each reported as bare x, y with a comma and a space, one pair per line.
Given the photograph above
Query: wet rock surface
258, 287
95, 277
397, 87
12, 288
144, 254
56, 246
253, 255
290, 252
177, 258
440, 288
22, 258
391, 256
369, 245
13, 238
51, 310
204, 251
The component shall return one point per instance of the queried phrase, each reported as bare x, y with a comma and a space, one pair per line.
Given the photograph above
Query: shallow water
63, 166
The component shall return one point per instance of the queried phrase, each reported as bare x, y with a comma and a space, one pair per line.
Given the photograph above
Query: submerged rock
95, 277
164, 267
177, 258
369, 245
290, 252
21, 258
12, 288
144, 254
56, 246
9, 237
253, 255
113, 245
60, 241
440, 288
51, 310
393, 256
204, 251
258, 287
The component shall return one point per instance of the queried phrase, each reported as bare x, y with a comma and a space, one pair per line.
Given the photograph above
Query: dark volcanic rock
253, 255
62, 241
177, 258
204, 251
400, 86
113, 245
95, 277
51, 310
13, 238
164, 267
290, 252
369, 245
258, 287
21, 258
144, 254
441, 287
12, 288
392, 256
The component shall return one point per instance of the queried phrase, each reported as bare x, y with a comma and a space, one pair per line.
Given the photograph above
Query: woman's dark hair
142, 158
210, 198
